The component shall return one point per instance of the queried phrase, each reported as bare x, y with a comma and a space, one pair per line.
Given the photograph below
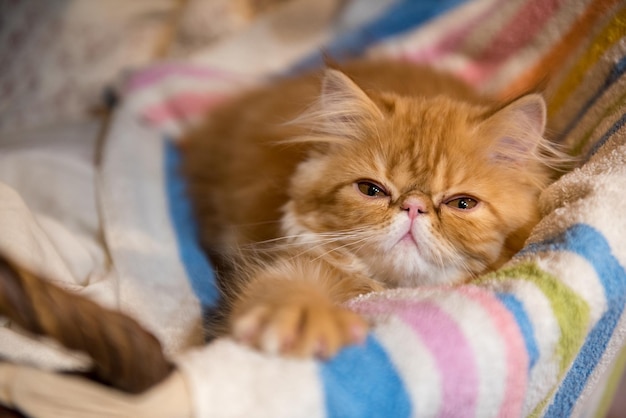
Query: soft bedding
539, 337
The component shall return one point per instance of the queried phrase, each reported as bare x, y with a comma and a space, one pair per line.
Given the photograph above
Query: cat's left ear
518, 129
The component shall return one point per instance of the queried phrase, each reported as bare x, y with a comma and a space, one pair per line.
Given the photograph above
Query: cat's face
421, 191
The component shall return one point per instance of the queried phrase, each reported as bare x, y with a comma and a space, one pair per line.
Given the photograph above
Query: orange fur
278, 178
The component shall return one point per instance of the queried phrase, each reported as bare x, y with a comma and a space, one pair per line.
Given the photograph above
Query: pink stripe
475, 72
454, 38
155, 74
516, 354
520, 30
447, 344
182, 107
516, 34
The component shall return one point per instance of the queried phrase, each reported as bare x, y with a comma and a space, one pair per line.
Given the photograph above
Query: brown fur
275, 175
124, 355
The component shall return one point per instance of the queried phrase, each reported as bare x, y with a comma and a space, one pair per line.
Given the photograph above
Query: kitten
396, 175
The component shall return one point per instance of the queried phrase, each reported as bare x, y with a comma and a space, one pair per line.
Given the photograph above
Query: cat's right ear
343, 111
344, 101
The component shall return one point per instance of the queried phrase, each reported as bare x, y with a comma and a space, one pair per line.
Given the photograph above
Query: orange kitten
316, 189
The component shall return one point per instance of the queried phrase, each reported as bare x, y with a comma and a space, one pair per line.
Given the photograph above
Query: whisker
313, 236
245, 225
307, 242
330, 241
343, 246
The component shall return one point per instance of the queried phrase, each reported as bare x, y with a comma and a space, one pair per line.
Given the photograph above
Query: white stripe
544, 374
486, 343
414, 363
229, 380
153, 285
483, 339
432, 32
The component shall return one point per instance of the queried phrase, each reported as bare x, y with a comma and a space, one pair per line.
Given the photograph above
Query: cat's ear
343, 99
345, 107
343, 112
518, 129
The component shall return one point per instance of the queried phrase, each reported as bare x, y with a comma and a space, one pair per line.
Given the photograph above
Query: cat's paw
299, 328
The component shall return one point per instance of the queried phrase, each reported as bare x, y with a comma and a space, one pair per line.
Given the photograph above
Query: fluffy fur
318, 188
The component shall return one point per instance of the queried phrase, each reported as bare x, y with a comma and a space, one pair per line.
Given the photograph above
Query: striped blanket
539, 337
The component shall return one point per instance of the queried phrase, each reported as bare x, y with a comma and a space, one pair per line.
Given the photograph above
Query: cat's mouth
409, 238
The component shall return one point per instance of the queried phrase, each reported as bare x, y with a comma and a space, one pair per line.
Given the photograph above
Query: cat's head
421, 190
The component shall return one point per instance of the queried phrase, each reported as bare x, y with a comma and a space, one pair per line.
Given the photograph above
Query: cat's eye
462, 203
371, 189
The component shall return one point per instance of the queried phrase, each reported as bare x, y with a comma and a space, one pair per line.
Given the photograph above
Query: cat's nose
414, 207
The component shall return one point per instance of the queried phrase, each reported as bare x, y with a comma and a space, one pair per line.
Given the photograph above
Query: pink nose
414, 207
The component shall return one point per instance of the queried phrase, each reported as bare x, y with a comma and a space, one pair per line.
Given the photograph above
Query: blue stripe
399, 17
612, 131
361, 382
517, 309
616, 72
199, 271
592, 245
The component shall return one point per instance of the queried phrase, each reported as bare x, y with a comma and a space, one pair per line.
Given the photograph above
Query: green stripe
570, 310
